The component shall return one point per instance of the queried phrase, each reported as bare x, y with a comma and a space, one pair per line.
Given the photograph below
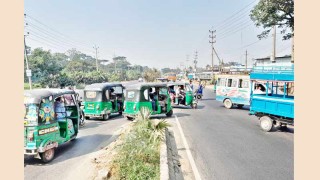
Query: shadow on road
208, 99
81, 146
112, 117
181, 114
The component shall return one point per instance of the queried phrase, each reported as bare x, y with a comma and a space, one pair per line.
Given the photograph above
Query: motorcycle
198, 93
82, 118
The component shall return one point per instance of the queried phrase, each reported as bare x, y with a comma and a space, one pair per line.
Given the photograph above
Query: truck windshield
31, 114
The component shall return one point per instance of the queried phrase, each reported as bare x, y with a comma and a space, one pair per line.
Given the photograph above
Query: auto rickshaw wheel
199, 96
227, 103
106, 116
48, 155
169, 114
266, 123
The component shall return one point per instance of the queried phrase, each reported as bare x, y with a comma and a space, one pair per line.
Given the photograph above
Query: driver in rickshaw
59, 108
113, 97
180, 93
154, 98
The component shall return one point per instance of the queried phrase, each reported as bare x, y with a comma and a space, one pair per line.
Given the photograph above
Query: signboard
28, 71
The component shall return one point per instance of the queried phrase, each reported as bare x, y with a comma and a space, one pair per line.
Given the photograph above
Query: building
279, 61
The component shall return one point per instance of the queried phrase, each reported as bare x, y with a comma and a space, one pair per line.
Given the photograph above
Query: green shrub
139, 155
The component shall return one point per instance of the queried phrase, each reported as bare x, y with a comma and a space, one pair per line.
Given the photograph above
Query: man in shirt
59, 108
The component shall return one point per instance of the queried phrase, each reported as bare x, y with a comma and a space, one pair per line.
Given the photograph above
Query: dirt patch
103, 159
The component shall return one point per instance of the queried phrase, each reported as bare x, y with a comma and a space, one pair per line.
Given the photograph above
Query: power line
52, 29
235, 26
46, 39
50, 45
228, 34
223, 24
43, 31
231, 17
230, 24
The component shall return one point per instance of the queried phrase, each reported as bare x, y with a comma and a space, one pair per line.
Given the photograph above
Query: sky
153, 33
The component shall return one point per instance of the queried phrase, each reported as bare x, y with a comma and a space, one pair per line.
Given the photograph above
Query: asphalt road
91, 138
228, 143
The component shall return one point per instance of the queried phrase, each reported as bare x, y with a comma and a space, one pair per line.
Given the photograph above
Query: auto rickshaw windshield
92, 96
132, 95
31, 114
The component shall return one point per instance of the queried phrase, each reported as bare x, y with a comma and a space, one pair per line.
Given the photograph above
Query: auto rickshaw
154, 96
185, 97
102, 99
51, 118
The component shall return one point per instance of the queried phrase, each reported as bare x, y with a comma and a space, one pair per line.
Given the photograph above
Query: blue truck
275, 108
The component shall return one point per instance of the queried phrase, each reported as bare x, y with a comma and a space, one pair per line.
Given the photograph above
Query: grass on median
139, 155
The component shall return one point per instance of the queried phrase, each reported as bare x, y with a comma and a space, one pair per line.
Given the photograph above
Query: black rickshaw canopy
101, 86
36, 95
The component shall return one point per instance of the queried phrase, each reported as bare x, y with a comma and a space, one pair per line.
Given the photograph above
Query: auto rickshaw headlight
30, 135
98, 107
124, 107
135, 107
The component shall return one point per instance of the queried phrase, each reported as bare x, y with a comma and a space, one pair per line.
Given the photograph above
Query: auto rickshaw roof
36, 95
139, 86
177, 83
101, 86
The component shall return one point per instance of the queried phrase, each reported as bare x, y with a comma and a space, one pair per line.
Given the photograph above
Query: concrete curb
164, 169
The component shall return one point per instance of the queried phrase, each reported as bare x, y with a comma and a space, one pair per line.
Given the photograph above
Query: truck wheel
240, 105
266, 123
227, 103
283, 126
48, 155
106, 116
169, 114
130, 118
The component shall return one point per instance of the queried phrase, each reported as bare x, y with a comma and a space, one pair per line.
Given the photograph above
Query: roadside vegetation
74, 68
138, 156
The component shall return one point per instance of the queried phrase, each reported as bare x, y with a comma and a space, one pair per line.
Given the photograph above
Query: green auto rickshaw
51, 118
102, 99
181, 94
154, 96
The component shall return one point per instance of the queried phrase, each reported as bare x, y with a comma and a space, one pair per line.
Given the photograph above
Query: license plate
90, 106
31, 144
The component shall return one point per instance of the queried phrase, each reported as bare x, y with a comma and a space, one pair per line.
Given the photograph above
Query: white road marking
191, 160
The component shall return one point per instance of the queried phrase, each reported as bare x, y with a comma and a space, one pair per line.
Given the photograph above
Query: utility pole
195, 61
212, 41
28, 71
292, 50
273, 56
246, 59
96, 48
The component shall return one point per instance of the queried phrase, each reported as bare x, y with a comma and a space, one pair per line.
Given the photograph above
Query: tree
269, 13
150, 75
80, 65
43, 66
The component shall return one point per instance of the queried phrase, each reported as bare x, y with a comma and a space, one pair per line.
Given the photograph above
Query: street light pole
96, 48
212, 41
28, 71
